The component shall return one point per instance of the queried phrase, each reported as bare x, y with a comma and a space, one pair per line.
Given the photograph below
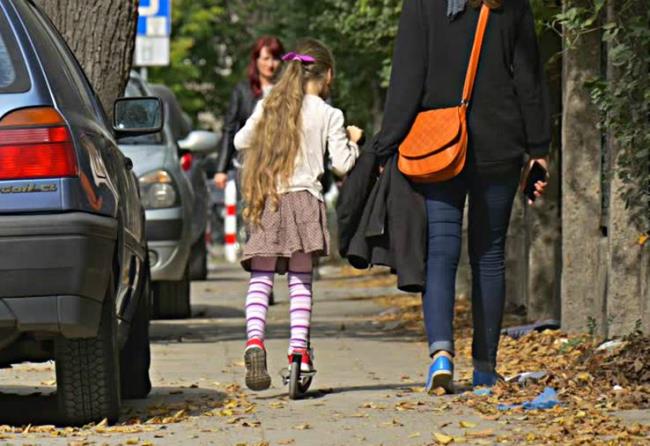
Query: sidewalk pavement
368, 389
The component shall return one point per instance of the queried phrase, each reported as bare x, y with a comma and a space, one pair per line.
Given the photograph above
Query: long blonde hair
270, 161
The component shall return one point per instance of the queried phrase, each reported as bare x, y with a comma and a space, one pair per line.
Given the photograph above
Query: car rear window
13, 74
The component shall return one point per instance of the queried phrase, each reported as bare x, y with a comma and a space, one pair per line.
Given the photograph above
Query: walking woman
508, 129
262, 69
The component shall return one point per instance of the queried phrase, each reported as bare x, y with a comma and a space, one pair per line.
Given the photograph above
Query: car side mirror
199, 141
136, 116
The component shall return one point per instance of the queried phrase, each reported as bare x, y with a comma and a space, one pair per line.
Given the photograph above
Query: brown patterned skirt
298, 225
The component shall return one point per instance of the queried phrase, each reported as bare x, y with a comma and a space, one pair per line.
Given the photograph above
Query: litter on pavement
545, 400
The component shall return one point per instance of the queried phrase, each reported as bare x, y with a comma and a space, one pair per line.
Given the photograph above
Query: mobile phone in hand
536, 173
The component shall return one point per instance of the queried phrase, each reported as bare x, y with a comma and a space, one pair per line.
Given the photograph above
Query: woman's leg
300, 293
257, 299
445, 203
490, 206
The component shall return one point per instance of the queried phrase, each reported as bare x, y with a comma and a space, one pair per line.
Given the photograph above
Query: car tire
171, 299
199, 260
87, 371
135, 357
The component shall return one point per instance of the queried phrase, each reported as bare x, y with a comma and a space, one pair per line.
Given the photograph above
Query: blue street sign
155, 18
154, 31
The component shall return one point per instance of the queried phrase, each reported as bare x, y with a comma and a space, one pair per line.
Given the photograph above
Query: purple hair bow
304, 58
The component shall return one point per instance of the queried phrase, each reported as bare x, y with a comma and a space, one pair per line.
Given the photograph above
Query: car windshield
134, 90
13, 75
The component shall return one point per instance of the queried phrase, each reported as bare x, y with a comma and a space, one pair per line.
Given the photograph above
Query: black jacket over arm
382, 221
509, 112
242, 104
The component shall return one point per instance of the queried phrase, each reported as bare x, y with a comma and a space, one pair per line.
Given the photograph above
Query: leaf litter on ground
591, 383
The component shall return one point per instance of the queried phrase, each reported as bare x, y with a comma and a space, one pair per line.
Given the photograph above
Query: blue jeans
490, 206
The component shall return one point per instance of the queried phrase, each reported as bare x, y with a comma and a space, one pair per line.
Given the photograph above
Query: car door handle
128, 163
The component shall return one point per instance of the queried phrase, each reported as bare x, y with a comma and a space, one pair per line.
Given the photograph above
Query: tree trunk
543, 220
516, 259
101, 34
627, 293
584, 257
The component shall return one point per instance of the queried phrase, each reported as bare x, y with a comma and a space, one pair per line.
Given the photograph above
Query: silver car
169, 198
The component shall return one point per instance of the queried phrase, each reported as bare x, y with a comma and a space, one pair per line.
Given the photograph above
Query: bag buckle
464, 103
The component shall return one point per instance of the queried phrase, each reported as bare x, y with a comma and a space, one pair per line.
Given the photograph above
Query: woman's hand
220, 180
540, 186
354, 133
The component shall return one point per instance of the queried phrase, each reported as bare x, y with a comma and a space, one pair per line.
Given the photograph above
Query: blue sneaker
486, 379
441, 374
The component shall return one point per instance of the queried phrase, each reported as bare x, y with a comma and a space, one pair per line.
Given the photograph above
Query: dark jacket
509, 112
382, 221
242, 104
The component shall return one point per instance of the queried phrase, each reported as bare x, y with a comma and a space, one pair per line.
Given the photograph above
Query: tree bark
516, 258
584, 256
101, 34
543, 220
627, 291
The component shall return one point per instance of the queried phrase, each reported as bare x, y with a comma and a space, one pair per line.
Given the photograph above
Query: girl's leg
257, 299
490, 206
257, 303
300, 293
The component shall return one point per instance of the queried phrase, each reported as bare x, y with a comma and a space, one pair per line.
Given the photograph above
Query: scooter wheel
304, 385
295, 387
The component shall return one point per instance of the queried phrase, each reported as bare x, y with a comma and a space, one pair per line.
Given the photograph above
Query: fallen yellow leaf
467, 424
442, 438
480, 434
439, 391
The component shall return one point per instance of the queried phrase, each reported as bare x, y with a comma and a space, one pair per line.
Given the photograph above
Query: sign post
154, 31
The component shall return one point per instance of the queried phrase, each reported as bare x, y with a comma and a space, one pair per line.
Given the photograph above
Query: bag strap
470, 77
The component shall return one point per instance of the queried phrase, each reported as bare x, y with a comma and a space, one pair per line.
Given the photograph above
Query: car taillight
186, 162
36, 143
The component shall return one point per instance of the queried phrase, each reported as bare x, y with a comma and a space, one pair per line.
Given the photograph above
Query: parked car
73, 255
172, 214
192, 165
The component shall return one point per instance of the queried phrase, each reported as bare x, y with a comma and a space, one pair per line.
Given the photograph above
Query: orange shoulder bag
436, 146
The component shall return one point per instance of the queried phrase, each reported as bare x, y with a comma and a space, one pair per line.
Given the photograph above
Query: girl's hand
354, 133
540, 186
220, 180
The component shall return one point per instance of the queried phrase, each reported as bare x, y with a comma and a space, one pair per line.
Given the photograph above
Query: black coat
242, 104
509, 112
382, 221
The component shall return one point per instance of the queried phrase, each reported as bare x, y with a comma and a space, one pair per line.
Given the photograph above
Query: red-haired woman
264, 63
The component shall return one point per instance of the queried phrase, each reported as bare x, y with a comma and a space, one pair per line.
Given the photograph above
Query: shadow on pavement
188, 331
323, 392
216, 312
164, 401
24, 405
216, 278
